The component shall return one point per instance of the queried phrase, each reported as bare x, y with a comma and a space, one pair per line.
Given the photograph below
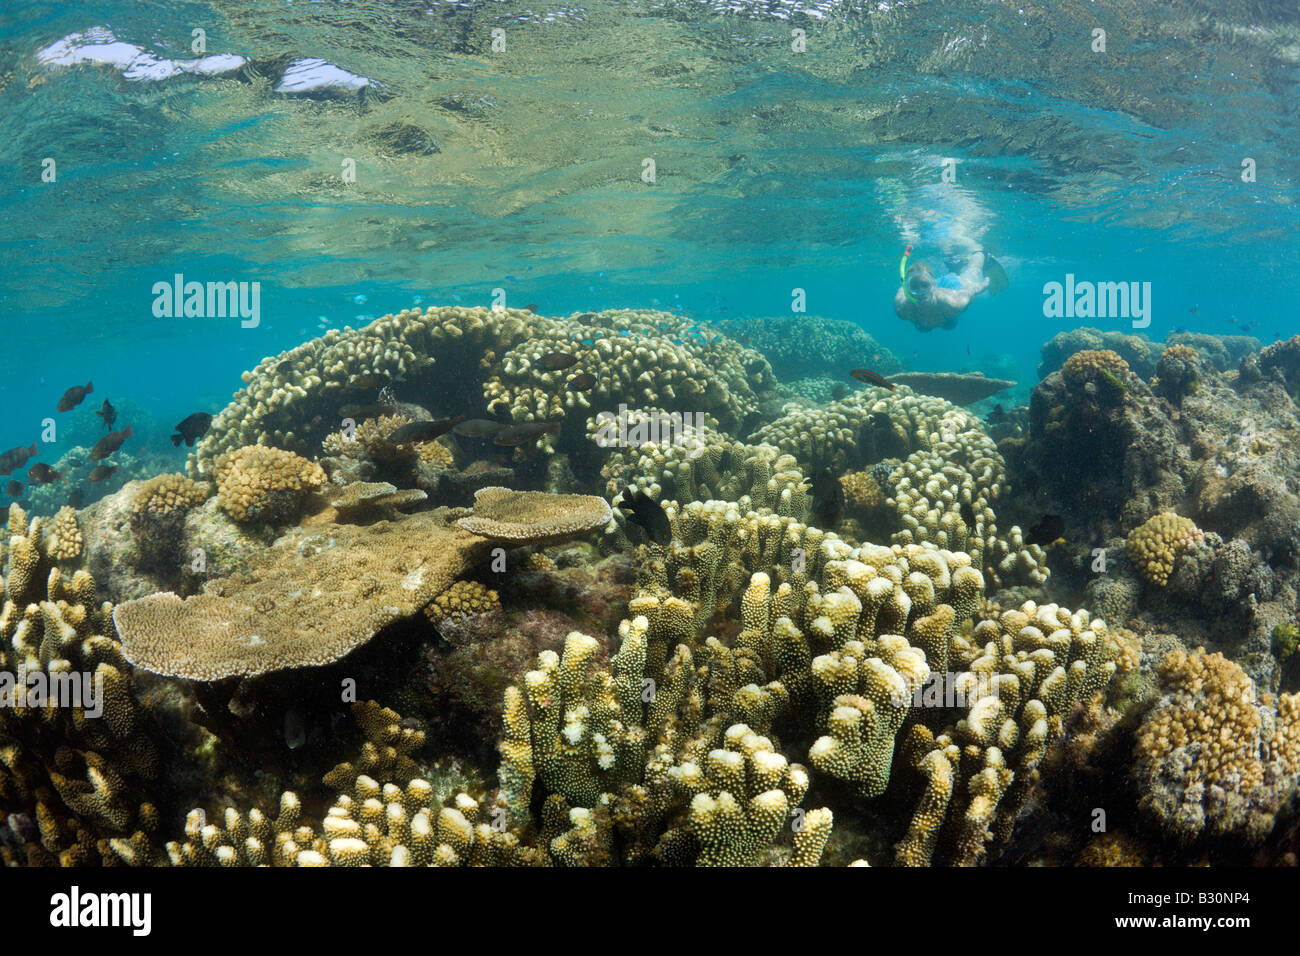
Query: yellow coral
861, 490
1089, 364
64, 541
257, 483
461, 600
166, 495
1154, 546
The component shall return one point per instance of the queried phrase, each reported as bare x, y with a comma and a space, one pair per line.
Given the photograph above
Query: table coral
533, 517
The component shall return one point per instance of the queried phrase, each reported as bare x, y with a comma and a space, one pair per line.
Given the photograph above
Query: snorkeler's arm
902, 307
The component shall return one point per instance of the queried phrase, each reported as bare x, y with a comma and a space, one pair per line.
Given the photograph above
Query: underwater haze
664, 419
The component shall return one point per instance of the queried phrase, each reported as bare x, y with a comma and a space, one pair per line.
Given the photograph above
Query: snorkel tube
902, 274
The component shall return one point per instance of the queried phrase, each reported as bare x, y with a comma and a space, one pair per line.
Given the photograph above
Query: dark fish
872, 378
968, 515
998, 415
16, 458
101, 473
285, 367
554, 361
828, 500
584, 316
42, 474
523, 433
881, 421
1045, 530
113, 441
531, 307
14, 489
838, 392
478, 428
968, 351
648, 515
77, 499
1193, 310
190, 429
108, 413
423, 431
582, 382
74, 397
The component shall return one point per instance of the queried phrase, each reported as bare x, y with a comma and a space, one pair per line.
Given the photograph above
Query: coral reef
1155, 545
799, 346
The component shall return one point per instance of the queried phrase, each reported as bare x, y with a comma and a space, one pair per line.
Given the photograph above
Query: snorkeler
932, 304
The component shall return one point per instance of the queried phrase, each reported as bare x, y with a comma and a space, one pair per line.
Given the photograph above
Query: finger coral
1154, 546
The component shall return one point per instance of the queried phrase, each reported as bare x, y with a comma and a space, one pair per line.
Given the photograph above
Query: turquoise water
776, 171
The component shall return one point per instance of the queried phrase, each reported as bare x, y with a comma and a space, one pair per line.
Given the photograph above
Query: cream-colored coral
64, 540
165, 495
258, 483
1155, 545
1090, 364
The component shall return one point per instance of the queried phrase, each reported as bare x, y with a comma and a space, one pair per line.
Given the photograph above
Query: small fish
478, 428
1193, 310
523, 433
191, 429
582, 382
112, 442
74, 397
77, 499
15, 458
42, 474
101, 473
872, 378
108, 413
1046, 530
1181, 328
14, 489
555, 361
881, 420
285, 367
423, 431
531, 307
839, 392
585, 316
359, 299
589, 342
828, 500
968, 515
648, 515
968, 355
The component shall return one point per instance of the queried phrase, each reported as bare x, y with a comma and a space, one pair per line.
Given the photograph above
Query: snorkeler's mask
914, 281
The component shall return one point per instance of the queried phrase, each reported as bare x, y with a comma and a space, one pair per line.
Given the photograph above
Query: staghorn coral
533, 517
266, 485
1155, 545
309, 600
1212, 760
